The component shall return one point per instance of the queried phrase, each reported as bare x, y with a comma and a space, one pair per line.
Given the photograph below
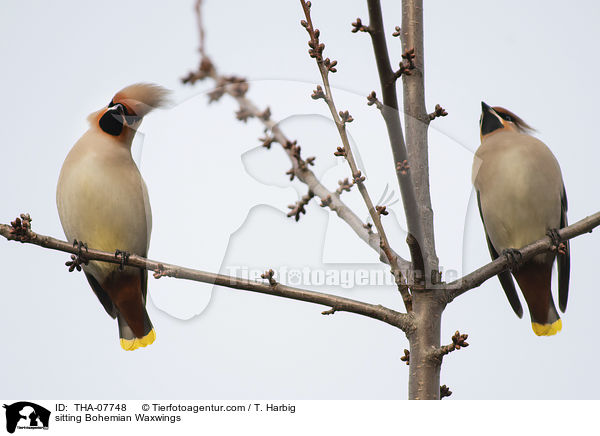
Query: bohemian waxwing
103, 201
521, 197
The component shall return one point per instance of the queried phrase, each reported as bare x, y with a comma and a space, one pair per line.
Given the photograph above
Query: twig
297, 209
201, 48
458, 341
407, 64
373, 100
401, 320
345, 186
340, 119
438, 112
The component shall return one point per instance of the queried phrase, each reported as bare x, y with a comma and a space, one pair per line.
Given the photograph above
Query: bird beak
489, 120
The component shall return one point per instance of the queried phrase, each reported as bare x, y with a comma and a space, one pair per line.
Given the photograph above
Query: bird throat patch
112, 122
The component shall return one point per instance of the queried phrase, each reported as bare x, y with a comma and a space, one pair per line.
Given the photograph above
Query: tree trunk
424, 368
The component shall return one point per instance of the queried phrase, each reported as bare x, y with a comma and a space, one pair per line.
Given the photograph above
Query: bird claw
124, 255
562, 249
553, 234
559, 246
513, 257
77, 259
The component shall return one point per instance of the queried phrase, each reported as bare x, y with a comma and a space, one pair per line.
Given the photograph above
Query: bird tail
129, 341
551, 326
534, 279
547, 329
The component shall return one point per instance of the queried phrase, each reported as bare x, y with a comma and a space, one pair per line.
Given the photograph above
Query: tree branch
391, 116
325, 67
231, 86
477, 277
416, 121
307, 176
22, 233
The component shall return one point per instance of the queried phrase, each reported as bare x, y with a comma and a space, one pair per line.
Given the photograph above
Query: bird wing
505, 277
563, 260
102, 295
144, 282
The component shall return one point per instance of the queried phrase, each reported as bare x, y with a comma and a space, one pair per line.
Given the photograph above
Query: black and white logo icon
26, 415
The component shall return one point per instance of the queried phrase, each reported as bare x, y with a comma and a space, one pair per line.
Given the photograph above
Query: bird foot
558, 246
77, 259
124, 255
514, 257
553, 234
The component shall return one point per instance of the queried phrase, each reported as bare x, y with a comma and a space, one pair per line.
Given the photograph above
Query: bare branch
231, 85
340, 304
201, 48
326, 196
416, 122
477, 277
340, 119
391, 116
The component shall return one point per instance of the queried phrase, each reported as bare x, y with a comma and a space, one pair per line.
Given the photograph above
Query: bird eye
508, 118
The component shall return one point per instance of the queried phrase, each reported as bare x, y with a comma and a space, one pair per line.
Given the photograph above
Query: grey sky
64, 60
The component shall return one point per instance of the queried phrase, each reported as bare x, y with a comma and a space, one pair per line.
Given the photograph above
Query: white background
220, 202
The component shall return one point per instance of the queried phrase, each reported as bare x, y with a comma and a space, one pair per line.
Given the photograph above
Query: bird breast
520, 185
102, 198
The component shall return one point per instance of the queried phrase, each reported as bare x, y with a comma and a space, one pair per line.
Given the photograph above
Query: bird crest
518, 122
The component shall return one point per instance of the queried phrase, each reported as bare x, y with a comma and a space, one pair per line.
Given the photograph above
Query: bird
103, 202
522, 198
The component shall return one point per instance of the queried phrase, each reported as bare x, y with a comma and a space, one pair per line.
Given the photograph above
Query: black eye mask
112, 122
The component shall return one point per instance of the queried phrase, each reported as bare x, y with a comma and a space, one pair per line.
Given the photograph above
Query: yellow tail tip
134, 344
547, 329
